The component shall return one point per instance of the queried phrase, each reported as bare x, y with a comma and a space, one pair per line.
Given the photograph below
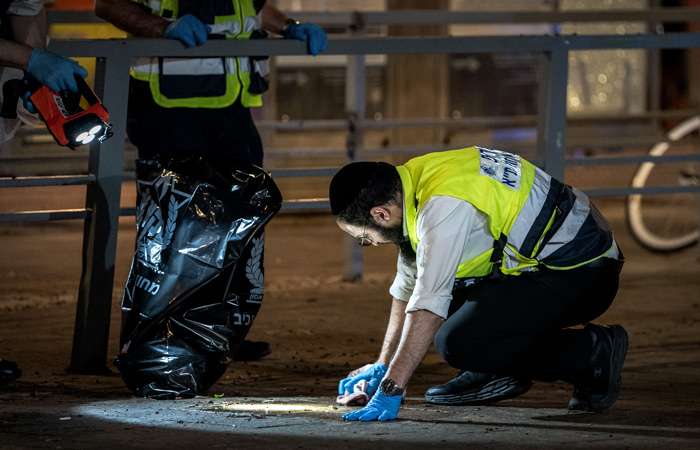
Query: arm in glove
312, 34
373, 374
382, 407
56, 72
189, 30
27, 102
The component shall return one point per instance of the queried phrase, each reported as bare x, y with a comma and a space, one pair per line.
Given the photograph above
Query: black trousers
518, 325
220, 135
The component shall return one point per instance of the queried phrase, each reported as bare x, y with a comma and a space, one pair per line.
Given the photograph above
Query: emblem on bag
156, 225
253, 270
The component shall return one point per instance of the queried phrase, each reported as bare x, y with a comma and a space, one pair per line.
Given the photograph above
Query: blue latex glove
56, 72
27, 102
189, 30
372, 374
382, 407
312, 34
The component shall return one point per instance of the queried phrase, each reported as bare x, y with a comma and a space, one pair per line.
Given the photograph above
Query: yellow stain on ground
267, 408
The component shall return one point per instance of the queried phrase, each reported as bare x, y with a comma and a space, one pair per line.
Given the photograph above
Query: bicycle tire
634, 210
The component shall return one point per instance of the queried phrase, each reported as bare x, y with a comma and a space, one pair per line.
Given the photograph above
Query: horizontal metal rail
473, 121
304, 172
295, 172
584, 161
407, 150
59, 180
608, 160
130, 48
287, 172
651, 190
275, 152
322, 204
442, 17
43, 216
288, 207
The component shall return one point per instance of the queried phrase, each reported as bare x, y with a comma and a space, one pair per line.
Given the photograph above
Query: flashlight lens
96, 129
82, 136
88, 139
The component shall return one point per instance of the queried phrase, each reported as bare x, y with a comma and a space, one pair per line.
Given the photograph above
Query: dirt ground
320, 328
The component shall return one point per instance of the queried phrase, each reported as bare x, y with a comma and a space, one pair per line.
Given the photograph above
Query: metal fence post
91, 335
551, 127
355, 107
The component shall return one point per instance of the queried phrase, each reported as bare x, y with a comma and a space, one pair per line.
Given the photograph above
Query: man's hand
189, 30
312, 34
27, 102
56, 72
372, 373
382, 407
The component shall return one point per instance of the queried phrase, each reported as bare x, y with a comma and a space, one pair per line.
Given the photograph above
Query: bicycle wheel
667, 223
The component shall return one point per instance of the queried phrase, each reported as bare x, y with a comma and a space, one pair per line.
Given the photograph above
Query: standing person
22, 42
497, 260
181, 107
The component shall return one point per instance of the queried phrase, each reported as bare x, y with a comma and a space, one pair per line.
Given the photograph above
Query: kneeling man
497, 260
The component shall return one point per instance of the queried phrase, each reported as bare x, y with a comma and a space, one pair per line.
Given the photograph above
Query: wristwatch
390, 388
287, 24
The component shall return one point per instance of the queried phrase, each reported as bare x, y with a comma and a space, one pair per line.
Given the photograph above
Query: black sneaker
252, 351
473, 388
9, 372
602, 387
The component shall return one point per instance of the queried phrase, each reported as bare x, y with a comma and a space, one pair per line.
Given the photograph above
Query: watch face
389, 387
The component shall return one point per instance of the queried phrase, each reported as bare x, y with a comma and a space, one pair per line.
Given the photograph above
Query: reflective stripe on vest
543, 221
204, 82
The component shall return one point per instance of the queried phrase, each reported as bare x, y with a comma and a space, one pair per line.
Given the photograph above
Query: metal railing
361, 19
102, 205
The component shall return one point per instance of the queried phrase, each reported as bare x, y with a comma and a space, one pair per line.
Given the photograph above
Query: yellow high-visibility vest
534, 219
204, 82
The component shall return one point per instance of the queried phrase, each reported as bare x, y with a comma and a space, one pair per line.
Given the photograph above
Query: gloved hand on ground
189, 30
312, 34
54, 71
382, 407
371, 373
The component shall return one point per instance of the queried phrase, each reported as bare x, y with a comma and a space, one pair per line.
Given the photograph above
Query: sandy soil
321, 327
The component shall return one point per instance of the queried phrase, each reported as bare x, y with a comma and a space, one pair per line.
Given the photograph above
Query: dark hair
360, 186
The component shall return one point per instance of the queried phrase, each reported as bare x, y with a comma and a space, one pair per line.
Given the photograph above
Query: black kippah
348, 182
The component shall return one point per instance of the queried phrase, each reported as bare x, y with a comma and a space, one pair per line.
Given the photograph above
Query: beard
395, 235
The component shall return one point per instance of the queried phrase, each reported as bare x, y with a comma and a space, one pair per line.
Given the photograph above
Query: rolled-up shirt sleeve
443, 227
405, 280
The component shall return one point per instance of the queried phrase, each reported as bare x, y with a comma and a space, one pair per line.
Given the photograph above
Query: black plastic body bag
183, 313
